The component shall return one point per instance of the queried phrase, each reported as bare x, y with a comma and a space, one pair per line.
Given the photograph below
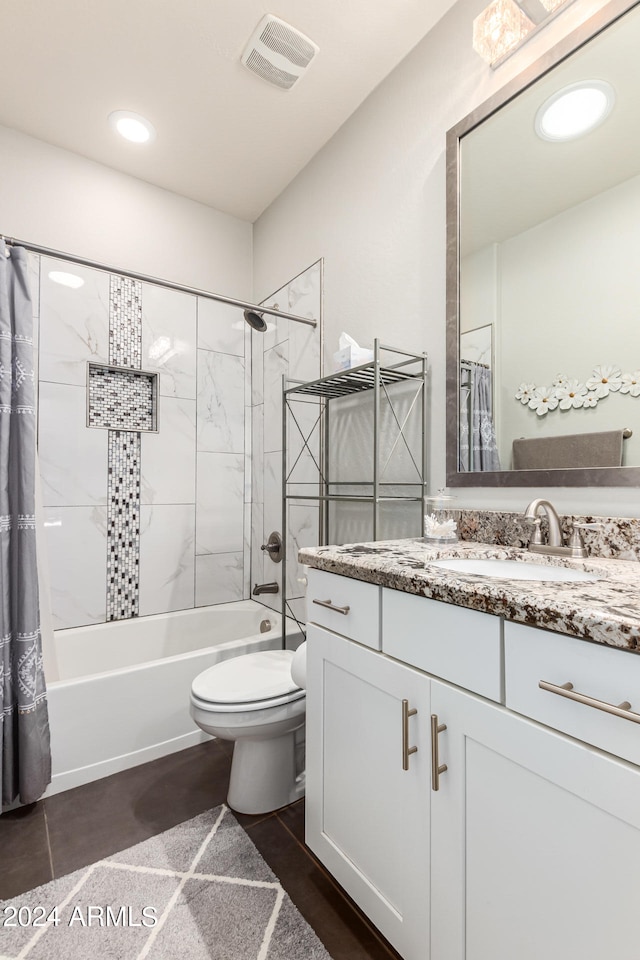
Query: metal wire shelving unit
379, 378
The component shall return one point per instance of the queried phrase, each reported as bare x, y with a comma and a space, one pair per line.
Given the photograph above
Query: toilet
254, 701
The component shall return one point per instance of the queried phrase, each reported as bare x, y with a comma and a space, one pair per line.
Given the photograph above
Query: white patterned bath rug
200, 891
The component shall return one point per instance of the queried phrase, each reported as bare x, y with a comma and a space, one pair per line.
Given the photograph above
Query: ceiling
224, 136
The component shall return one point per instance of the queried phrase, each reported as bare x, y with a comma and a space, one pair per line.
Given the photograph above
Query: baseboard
96, 771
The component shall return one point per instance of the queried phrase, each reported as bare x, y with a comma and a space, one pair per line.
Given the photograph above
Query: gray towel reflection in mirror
602, 449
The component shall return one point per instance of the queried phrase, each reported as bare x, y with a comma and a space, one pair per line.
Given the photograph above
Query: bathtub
121, 693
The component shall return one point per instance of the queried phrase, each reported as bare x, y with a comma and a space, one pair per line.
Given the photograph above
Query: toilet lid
247, 679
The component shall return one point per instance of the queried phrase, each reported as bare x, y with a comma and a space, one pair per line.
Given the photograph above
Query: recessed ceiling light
132, 126
574, 110
66, 279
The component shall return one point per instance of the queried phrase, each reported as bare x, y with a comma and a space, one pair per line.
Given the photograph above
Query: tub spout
265, 588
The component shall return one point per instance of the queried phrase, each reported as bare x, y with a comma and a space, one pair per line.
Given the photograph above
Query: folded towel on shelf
603, 449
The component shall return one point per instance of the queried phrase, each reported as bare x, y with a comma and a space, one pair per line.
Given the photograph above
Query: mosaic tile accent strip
125, 322
123, 526
122, 399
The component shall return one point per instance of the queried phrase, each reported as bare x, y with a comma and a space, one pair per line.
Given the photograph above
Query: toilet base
263, 775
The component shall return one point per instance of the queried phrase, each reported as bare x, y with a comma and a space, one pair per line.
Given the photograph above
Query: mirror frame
579, 477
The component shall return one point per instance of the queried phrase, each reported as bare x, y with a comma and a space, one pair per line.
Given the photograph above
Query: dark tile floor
73, 829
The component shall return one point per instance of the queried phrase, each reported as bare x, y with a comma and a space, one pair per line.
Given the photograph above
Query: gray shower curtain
477, 438
25, 757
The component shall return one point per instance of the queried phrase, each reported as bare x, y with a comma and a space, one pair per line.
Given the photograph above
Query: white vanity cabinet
367, 818
530, 846
535, 841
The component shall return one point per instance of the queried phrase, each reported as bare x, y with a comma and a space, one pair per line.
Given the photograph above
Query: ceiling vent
278, 52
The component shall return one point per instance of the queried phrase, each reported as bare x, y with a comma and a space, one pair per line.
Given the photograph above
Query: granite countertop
606, 610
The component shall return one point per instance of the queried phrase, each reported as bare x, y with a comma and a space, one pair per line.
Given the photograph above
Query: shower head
255, 320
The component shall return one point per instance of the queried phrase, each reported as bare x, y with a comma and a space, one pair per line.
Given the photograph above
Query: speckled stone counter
606, 611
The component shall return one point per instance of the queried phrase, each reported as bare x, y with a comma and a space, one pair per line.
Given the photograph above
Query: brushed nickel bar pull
436, 767
331, 606
566, 690
406, 749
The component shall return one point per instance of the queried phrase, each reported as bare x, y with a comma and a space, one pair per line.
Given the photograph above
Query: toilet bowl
254, 701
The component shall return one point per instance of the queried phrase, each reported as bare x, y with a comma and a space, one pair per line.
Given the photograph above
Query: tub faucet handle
273, 546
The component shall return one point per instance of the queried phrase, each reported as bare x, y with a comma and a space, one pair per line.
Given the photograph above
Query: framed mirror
543, 272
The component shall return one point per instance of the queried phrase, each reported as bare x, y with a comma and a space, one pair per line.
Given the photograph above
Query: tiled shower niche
122, 399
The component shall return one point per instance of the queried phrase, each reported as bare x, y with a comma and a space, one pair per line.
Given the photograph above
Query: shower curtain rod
81, 261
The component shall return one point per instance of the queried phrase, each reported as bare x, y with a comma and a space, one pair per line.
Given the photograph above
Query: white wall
569, 292
479, 302
57, 199
372, 203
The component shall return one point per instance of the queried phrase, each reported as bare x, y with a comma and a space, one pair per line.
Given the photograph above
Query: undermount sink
513, 569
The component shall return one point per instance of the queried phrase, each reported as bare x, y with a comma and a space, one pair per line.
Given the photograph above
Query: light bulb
132, 126
574, 110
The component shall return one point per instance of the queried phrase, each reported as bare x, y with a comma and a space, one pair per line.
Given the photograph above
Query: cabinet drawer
456, 644
607, 675
345, 606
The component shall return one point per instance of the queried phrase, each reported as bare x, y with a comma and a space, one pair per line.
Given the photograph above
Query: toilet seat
253, 681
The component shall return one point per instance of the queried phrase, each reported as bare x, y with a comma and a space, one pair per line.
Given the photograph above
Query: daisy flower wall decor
571, 394
525, 392
543, 400
630, 383
567, 394
605, 379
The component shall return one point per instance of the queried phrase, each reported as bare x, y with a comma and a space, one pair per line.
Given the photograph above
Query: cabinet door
535, 841
367, 817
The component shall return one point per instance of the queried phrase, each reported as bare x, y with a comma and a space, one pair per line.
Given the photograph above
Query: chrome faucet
265, 588
555, 545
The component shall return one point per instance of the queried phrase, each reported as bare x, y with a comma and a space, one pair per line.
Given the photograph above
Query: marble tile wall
223, 454
73, 329
400, 459
292, 350
181, 530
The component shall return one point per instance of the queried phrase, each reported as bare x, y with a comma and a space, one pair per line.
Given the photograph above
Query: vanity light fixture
66, 279
132, 126
505, 24
500, 28
574, 110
